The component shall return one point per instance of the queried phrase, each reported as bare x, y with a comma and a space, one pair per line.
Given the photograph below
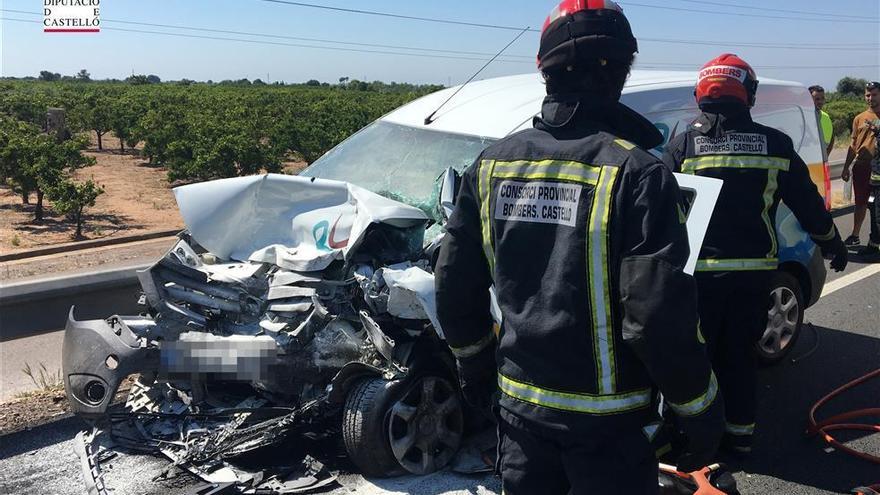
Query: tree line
844, 104
201, 131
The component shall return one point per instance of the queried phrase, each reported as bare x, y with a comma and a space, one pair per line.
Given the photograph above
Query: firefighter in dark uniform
582, 233
759, 167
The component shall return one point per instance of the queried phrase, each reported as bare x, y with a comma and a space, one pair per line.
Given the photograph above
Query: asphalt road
847, 324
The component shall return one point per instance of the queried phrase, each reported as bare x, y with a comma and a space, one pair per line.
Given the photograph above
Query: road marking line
850, 279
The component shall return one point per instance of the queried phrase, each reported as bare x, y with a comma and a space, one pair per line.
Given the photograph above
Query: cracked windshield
398, 162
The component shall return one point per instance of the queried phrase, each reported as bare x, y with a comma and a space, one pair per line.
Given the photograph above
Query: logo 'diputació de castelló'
71, 16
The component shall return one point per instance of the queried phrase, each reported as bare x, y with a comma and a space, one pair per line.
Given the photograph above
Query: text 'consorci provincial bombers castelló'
540, 202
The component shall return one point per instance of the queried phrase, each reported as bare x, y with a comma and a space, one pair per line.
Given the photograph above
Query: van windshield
398, 162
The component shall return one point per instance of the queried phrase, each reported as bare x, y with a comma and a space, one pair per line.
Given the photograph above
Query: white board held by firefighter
702, 194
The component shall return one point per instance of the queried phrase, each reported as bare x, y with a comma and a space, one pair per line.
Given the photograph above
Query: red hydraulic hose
839, 422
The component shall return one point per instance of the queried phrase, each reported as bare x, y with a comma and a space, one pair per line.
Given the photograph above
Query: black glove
838, 253
477, 375
704, 434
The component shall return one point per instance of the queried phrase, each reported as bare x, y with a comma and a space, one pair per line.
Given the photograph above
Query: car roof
493, 108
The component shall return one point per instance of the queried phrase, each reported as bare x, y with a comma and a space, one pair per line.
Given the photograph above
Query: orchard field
126, 143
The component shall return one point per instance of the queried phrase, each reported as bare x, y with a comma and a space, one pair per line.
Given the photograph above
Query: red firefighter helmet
585, 31
726, 79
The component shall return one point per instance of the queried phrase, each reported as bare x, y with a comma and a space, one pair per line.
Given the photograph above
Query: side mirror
450, 183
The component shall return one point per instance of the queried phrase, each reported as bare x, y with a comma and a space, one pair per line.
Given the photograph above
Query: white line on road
850, 279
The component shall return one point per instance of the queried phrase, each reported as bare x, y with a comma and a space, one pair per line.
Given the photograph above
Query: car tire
411, 426
364, 430
785, 317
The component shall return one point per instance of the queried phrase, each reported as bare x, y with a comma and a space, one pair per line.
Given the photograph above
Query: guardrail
835, 169
37, 306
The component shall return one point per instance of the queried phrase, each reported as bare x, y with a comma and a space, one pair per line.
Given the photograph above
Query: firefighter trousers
733, 317
558, 461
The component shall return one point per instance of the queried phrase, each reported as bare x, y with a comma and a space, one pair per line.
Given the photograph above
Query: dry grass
44, 379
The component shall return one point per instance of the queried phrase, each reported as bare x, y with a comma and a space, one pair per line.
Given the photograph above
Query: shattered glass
399, 162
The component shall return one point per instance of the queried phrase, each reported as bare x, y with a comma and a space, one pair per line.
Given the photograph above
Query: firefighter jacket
759, 167
582, 235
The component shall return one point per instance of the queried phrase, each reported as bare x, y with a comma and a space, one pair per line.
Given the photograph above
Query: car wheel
785, 315
414, 425
425, 425
363, 427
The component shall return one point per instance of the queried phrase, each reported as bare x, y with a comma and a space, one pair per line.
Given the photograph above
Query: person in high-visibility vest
826, 127
583, 235
760, 168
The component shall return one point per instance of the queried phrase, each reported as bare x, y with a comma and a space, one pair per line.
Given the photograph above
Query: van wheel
785, 316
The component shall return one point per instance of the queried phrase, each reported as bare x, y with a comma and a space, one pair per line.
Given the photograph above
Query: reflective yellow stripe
735, 265
741, 430
875, 177
547, 169
600, 298
484, 186
769, 196
692, 165
575, 402
473, 349
623, 143
825, 237
699, 404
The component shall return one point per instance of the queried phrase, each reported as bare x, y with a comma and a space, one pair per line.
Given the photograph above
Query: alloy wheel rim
425, 426
782, 319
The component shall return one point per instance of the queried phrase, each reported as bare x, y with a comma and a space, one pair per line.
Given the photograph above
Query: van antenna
430, 118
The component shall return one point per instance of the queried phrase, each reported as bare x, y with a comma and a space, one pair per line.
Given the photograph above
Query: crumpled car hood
299, 223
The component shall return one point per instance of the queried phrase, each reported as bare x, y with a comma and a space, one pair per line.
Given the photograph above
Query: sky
789, 43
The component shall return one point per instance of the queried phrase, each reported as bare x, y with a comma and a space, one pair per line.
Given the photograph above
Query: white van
400, 156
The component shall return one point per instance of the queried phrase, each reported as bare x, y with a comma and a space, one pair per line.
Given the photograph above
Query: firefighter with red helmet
759, 167
580, 230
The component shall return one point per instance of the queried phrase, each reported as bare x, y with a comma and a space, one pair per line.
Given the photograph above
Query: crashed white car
305, 305
290, 304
